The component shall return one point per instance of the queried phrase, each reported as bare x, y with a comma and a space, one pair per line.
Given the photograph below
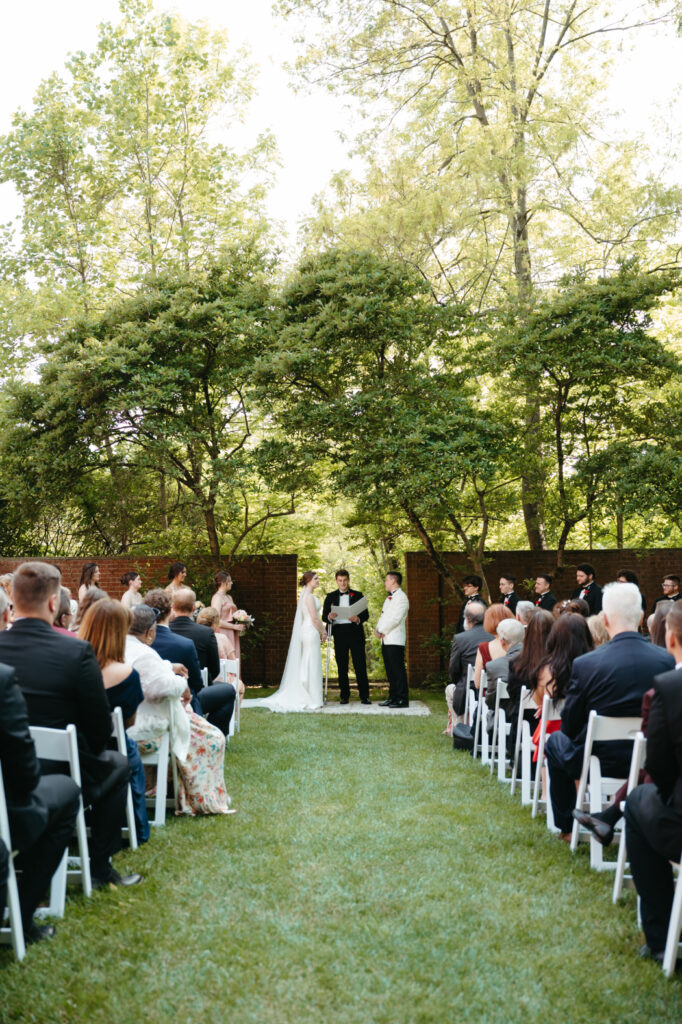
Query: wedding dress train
301, 685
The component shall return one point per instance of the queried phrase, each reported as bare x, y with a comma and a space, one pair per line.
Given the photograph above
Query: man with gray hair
524, 611
611, 680
462, 654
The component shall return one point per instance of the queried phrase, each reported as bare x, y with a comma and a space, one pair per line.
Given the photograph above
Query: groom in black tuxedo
349, 638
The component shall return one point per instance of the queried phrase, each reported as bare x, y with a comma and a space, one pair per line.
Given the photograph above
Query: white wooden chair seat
119, 733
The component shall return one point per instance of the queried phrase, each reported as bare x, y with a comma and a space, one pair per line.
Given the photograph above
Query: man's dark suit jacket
592, 596
28, 814
661, 808
546, 601
460, 620
611, 680
61, 683
510, 601
334, 598
204, 640
179, 649
463, 652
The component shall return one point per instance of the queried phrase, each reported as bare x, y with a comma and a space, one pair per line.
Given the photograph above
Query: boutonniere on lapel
351, 594
390, 597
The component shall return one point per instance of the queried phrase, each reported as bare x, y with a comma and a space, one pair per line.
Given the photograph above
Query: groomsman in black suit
507, 595
671, 590
471, 586
349, 638
587, 589
545, 599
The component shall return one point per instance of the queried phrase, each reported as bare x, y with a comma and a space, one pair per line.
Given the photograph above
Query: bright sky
39, 34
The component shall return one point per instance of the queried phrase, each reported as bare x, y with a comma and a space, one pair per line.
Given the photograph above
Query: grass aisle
371, 875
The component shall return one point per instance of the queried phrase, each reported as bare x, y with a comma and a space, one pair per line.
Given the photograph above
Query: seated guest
657, 627
628, 576
507, 596
471, 586
611, 680
63, 616
510, 634
524, 611
89, 578
176, 574
653, 811
489, 649
576, 606
198, 747
523, 670
463, 654
587, 589
132, 581
93, 594
568, 639
595, 624
62, 684
6, 585
546, 599
41, 809
214, 702
105, 627
671, 589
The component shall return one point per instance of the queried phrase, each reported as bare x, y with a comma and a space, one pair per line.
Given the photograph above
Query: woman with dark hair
132, 581
569, 637
223, 602
62, 619
657, 627
176, 574
523, 670
301, 685
89, 578
92, 595
576, 606
105, 627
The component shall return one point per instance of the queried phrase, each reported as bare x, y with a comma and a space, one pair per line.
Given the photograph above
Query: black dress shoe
385, 703
399, 704
345, 700
647, 953
38, 932
601, 831
365, 700
112, 878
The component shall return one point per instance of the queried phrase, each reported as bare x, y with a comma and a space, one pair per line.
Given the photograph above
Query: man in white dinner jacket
391, 631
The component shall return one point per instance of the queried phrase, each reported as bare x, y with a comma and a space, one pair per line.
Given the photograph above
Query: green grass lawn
371, 875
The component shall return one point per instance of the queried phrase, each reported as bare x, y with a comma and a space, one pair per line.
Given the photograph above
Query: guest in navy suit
611, 680
216, 703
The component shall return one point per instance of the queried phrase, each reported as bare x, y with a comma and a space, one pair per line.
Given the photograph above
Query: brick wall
264, 585
433, 607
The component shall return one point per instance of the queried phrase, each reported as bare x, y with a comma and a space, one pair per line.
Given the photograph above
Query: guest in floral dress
199, 748
224, 604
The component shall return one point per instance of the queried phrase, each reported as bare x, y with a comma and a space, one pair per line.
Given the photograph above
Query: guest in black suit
462, 654
545, 599
612, 680
216, 702
653, 812
41, 809
62, 684
587, 590
204, 639
349, 638
471, 586
507, 596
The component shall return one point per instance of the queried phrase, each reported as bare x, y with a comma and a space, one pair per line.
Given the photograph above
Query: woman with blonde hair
209, 617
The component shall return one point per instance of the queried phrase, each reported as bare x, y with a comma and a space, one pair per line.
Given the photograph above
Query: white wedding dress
301, 685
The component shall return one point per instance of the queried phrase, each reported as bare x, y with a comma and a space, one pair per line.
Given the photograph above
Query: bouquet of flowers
243, 617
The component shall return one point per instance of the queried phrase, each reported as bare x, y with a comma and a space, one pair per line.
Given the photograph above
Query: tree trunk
212, 532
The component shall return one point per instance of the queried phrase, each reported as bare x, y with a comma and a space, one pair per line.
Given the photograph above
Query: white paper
346, 612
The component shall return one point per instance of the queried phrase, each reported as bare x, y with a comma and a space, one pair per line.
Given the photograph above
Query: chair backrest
118, 731
603, 728
637, 762
204, 676
58, 745
4, 821
229, 666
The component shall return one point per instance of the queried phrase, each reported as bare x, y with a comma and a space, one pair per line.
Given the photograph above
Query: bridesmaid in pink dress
225, 606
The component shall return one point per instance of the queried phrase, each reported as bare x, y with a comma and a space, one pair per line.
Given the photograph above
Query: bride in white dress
301, 685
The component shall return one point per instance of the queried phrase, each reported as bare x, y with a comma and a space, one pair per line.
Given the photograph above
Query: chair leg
83, 850
674, 928
57, 904
15, 932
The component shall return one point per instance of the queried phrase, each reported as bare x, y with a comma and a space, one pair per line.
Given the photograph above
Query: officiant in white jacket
391, 631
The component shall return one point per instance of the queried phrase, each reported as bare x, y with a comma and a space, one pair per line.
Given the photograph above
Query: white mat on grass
416, 708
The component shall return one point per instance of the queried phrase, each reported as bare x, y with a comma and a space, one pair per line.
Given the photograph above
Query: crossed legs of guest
217, 704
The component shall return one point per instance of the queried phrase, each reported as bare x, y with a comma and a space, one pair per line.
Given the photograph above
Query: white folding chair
119, 732
672, 942
500, 731
204, 676
600, 728
468, 693
517, 742
229, 666
549, 714
636, 764
14, 931
62, 745
480, 731
161, 801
